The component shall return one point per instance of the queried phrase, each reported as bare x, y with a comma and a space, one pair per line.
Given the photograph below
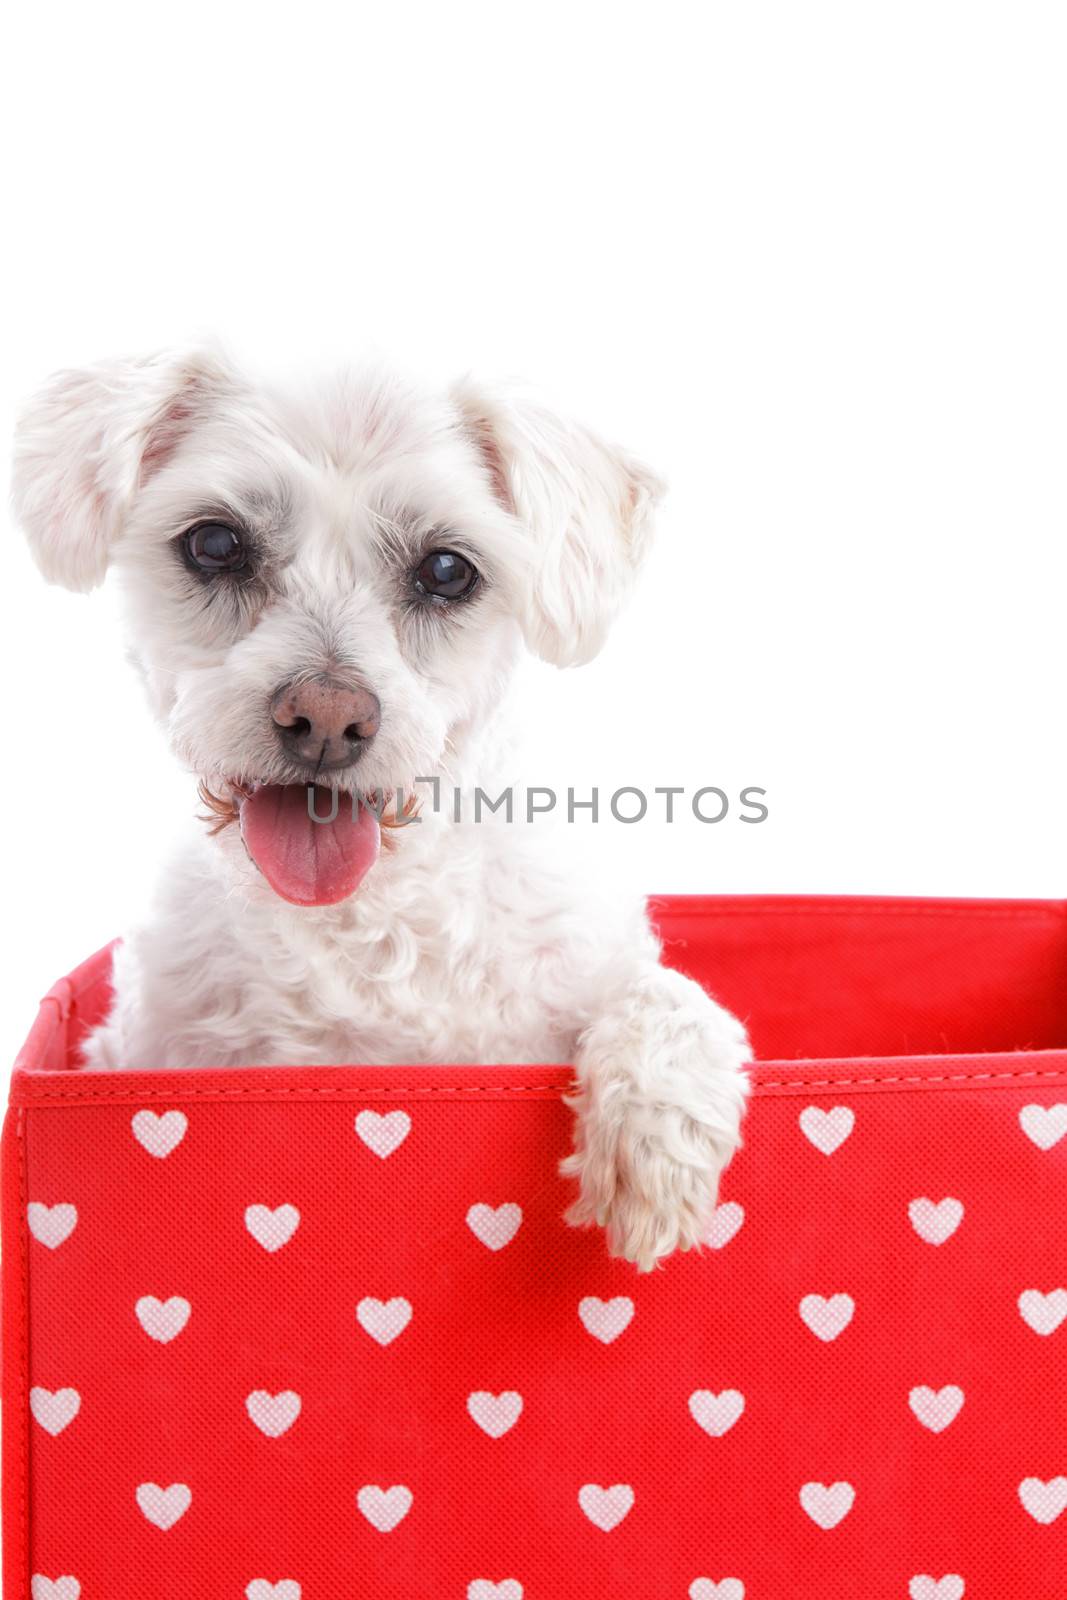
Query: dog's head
326, 585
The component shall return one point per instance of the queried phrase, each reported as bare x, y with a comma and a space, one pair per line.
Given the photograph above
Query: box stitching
24, 1351
34, 1096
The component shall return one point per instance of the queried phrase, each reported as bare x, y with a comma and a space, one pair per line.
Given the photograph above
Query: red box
321, 1332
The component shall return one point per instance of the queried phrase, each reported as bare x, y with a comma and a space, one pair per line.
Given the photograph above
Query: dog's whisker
221, 811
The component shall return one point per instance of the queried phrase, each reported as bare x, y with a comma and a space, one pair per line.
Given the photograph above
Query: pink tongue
310, 863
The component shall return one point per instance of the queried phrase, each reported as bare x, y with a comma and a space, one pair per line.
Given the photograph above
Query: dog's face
326, 585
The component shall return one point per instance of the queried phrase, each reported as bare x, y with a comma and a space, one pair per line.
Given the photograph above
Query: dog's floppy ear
89, 441
586, 506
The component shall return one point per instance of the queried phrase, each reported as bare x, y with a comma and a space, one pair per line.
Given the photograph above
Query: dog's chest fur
460, 946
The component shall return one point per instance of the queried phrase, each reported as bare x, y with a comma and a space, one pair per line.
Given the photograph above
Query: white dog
331, 585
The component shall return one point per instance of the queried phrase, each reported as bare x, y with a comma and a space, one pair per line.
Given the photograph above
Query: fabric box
320, 1334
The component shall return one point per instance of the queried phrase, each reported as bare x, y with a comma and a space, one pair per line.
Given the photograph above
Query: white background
808, 259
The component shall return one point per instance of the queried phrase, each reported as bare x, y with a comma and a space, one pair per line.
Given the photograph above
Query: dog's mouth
313, 845
310, 860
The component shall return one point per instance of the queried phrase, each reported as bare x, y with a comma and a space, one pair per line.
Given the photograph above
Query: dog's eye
444, 575
215, 547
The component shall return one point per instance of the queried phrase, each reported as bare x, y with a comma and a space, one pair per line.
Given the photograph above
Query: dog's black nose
324, 724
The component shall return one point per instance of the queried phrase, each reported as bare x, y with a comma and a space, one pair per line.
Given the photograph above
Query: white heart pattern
923, 1587
935, 1222
42, 1588
1043, 1312
606, 1319
159, 1135
163, 1320
725, 1589
726, 1222
1045, 1125
51, 1226
56, 1411
496, 1228
273, 1414
495, 1414
827, 1504
716, 1413
272, 1229
827, 1318
383, 1134
482, 1589
827, 1130
384, 1320
164, 1507
384, 1509
936, 1408
1044, 1501
606, 1508
260, 1589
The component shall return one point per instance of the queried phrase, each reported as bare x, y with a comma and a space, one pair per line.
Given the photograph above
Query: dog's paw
661, 1096
652, 1189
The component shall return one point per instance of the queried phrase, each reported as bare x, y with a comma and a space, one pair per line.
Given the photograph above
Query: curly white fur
467, 941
